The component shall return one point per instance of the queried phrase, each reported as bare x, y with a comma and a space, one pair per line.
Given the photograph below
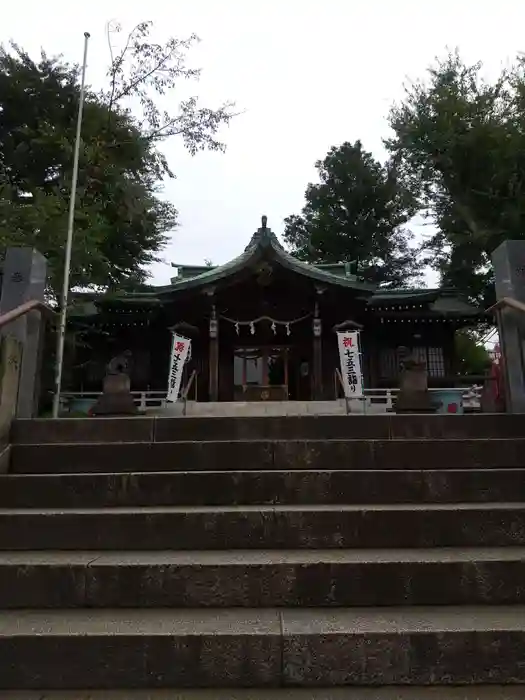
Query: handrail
11, 351
340, 379
186, 391
507, 301
26, 307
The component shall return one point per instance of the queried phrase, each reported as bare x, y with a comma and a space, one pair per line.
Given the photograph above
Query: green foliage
472, 356
121, 223
356, 213
459, 145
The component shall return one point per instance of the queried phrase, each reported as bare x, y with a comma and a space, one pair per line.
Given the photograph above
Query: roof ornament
264, 221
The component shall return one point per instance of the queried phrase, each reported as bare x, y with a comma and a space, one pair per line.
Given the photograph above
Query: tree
121, 223
472, 356
143, 70
356, 213
459, 144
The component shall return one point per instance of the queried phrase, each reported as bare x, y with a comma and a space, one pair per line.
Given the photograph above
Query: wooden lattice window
435, 362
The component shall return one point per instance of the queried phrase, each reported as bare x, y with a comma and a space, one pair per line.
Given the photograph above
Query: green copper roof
398, 296
265, 245
441, 300
185, 272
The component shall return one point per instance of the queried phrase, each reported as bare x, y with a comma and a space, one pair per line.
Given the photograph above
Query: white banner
350, 358
179, 354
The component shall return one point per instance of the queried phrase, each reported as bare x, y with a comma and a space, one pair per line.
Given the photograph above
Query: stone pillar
509, 271
214, 355
317, 328
24, 279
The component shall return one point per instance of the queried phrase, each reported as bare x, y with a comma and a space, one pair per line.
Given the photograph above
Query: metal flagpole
69, 243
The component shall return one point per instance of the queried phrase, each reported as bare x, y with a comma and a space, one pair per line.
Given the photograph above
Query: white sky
308, 74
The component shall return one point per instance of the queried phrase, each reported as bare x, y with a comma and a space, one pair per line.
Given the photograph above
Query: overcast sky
308, 75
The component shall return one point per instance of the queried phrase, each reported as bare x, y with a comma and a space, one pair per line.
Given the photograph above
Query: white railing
374, 401
143, 399
382, 400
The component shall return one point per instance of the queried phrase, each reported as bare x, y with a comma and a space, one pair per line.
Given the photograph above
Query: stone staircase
306, 558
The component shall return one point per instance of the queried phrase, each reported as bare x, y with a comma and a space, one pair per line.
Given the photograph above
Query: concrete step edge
499, 692
254, 472
274, 622
277, 508
262, 557
515, 439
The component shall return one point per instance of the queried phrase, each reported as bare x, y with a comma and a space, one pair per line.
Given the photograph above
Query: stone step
105, 649
266, 408
311, 578
269, 454
265, 527
383, 427
472, 692
260, 487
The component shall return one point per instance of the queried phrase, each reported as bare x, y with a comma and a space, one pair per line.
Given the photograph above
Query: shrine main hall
263, 327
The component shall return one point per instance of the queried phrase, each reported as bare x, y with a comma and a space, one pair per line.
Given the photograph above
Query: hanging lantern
252, 328
288, 331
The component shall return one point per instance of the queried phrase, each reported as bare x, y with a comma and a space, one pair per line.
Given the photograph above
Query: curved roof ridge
264, 239
264, 236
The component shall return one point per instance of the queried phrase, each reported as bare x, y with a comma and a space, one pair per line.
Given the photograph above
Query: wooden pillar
214, 355
317, 356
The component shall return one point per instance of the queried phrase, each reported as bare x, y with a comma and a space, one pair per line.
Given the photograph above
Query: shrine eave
434, 317
439, 303
442, 302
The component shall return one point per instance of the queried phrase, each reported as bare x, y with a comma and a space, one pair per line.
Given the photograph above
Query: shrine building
263, 326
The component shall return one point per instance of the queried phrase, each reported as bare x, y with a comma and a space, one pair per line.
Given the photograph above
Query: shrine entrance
268, 373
